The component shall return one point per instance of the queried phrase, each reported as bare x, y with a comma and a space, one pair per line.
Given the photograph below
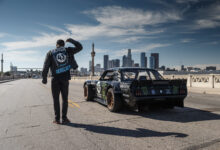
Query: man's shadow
139, 132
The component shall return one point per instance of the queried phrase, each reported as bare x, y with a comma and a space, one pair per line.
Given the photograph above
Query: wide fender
115, 86
90, 83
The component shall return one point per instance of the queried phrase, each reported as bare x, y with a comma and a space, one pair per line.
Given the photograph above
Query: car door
103, 83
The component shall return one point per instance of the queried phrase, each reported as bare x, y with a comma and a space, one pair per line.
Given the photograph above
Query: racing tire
114, 102
88, 93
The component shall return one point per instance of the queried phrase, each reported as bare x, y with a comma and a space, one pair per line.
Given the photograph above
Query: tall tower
93, 56
129, 59
2, 61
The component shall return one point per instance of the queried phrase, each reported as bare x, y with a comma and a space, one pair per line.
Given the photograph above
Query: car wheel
88, 93
114, 102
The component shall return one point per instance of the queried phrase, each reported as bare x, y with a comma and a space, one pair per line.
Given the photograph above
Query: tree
7, 74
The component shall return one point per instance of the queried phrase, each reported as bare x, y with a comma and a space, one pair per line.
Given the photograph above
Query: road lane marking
73, 104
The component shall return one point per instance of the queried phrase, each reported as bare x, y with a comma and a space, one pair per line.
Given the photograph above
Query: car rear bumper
175, 100
159, 98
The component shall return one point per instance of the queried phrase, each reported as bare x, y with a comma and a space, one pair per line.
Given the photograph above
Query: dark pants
60, 86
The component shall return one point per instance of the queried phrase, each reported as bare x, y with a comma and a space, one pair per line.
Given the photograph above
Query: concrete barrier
84, 78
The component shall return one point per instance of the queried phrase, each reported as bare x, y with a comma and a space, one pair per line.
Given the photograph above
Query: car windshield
129, 75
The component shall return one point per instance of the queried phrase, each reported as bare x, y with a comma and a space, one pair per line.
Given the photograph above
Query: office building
211, 68
146, 62
98, 68
156, 60
124, 61
127, 60
105, 62
114, 63
143, 62
152, 62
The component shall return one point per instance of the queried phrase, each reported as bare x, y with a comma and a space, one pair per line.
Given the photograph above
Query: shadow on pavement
139, 132
183, 115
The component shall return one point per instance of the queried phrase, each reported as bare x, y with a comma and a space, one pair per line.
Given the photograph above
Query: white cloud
38, 41
207, 17
186, 40
97, 50
23, 56
206, 23
123, 25
116, 16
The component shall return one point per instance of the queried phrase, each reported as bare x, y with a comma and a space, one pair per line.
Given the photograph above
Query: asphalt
26, 114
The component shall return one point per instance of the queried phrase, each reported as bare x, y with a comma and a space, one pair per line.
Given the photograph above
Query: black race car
135, 87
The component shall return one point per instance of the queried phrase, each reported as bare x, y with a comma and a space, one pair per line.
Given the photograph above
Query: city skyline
182, 32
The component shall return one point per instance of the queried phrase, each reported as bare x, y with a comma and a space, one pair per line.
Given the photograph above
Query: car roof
129, 68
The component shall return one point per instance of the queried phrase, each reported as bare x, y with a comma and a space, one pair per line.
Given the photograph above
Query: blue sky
182, 31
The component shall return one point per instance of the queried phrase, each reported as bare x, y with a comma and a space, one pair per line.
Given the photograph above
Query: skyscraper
152, 62
143, 60
106, 60
146, 62
124, 61
114, 63
110, 64
156, 61
129, 59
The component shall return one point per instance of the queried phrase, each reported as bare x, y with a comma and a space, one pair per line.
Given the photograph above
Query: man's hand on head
44, 81
70, 40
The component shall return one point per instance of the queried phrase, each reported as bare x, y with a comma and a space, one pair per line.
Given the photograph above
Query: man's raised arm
78, 46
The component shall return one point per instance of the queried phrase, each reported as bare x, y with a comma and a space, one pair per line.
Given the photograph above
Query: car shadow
138, 133
182, 115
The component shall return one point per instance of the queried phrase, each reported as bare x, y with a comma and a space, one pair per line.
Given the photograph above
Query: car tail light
182, 91
138, 92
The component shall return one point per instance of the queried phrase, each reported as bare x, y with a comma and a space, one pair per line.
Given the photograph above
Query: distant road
26, 114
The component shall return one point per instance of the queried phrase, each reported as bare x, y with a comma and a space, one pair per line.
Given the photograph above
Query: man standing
60, 61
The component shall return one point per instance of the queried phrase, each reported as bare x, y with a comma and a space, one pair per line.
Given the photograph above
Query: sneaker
65, 121
56, 121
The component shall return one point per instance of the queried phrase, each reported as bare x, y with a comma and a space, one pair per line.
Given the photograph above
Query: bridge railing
84, 78
202, 80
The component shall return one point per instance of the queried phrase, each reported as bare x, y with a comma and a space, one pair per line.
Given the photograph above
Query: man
60, 61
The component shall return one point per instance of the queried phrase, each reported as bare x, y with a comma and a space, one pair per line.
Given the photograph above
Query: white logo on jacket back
61, 57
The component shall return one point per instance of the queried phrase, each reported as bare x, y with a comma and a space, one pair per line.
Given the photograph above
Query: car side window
108, 76
117, 76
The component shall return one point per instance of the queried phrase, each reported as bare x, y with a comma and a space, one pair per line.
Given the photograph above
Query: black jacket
50, 64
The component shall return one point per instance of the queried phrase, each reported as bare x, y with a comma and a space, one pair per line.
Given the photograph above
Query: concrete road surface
26, 114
